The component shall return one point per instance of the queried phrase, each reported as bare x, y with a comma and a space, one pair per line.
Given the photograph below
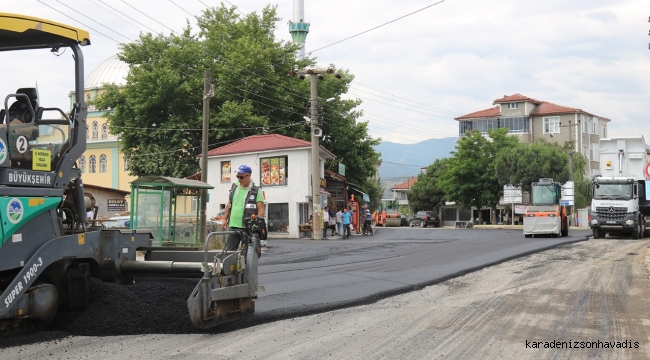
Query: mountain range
401, 161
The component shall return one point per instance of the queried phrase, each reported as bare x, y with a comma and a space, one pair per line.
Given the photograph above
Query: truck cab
619, 203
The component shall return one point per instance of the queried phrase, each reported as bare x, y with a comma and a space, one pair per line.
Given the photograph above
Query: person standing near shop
245, 199
326, 221
347, 219
339, 222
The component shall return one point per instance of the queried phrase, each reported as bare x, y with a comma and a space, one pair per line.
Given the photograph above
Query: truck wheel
423, 224
565, 230
596, 233
635, 232
642, 232
528, 235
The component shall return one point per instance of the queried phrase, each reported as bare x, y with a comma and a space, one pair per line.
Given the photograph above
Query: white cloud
457, 56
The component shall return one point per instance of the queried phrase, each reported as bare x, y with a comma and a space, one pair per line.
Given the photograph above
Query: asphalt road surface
303, 277
307, 276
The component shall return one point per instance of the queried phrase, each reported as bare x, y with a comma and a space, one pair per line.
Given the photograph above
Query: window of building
585, 122
104, 131
552, 125
93, 164
126, 163
82, 164
595, 155
513, 105
195, 204
278, 218
102, 163
225, 171
585, 151
95, 129
515, 125
87, 132
274, 171
603, 133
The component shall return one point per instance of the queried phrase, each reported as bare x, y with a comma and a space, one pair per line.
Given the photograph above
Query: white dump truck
620, 204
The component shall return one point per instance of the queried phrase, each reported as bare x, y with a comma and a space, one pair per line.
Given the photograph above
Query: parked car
425, 218
118, 222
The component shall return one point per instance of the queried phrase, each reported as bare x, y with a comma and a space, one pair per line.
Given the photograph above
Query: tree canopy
524, 164
470, 177
427, 192
158, 114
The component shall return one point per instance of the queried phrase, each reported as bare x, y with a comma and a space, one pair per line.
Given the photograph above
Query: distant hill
401, 161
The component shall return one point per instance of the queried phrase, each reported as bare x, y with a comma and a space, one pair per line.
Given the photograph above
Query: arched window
104, 131
126, 163
102, 163
93, 164
87, 132
82, 164
95, 129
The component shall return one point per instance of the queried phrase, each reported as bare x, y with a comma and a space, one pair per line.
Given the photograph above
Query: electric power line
377, 27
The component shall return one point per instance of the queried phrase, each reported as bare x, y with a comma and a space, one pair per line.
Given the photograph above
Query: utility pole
208, 92
316, 132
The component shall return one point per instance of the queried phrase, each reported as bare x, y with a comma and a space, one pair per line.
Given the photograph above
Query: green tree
158, 114
427, 193
580, 181
524, 164
373, 188
471, 176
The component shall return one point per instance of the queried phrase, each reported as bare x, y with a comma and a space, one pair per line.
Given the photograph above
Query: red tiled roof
495, 111
515, 98
406, 184
541, 108
546, 108
257, 143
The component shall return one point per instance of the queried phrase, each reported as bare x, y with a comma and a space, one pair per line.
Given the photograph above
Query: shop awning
364, 196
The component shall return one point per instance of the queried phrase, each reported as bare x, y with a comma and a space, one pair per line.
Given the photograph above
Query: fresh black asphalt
303, 277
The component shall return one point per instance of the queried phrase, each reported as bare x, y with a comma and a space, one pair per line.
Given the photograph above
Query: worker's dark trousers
233, 240
346, 230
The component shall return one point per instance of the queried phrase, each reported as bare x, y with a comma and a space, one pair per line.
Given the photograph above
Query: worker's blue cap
244, 169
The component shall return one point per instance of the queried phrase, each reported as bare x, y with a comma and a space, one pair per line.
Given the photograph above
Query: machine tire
565, 230
423, 224
596, 233
411, 224
528, 235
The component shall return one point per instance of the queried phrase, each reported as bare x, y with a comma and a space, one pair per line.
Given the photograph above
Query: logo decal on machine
3, 151
15, 210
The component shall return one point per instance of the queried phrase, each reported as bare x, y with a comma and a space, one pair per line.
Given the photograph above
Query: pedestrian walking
339, 222
347, 219
326, 221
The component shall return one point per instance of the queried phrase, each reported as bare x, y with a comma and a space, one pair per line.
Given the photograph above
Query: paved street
304, 276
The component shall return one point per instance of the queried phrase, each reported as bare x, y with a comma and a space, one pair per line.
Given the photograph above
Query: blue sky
415, 75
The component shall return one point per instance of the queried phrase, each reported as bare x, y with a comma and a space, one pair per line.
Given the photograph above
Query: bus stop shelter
169, 207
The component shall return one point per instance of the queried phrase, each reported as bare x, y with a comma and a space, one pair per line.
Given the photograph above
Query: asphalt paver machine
48, 252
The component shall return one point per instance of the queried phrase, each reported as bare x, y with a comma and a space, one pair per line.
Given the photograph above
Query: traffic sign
647, 170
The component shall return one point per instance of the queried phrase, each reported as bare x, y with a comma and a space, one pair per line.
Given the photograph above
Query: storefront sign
116, 205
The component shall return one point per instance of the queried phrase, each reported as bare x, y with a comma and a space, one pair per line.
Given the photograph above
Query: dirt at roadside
589, 295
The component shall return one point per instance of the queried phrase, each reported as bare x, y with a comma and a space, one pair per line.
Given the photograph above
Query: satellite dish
317, 132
